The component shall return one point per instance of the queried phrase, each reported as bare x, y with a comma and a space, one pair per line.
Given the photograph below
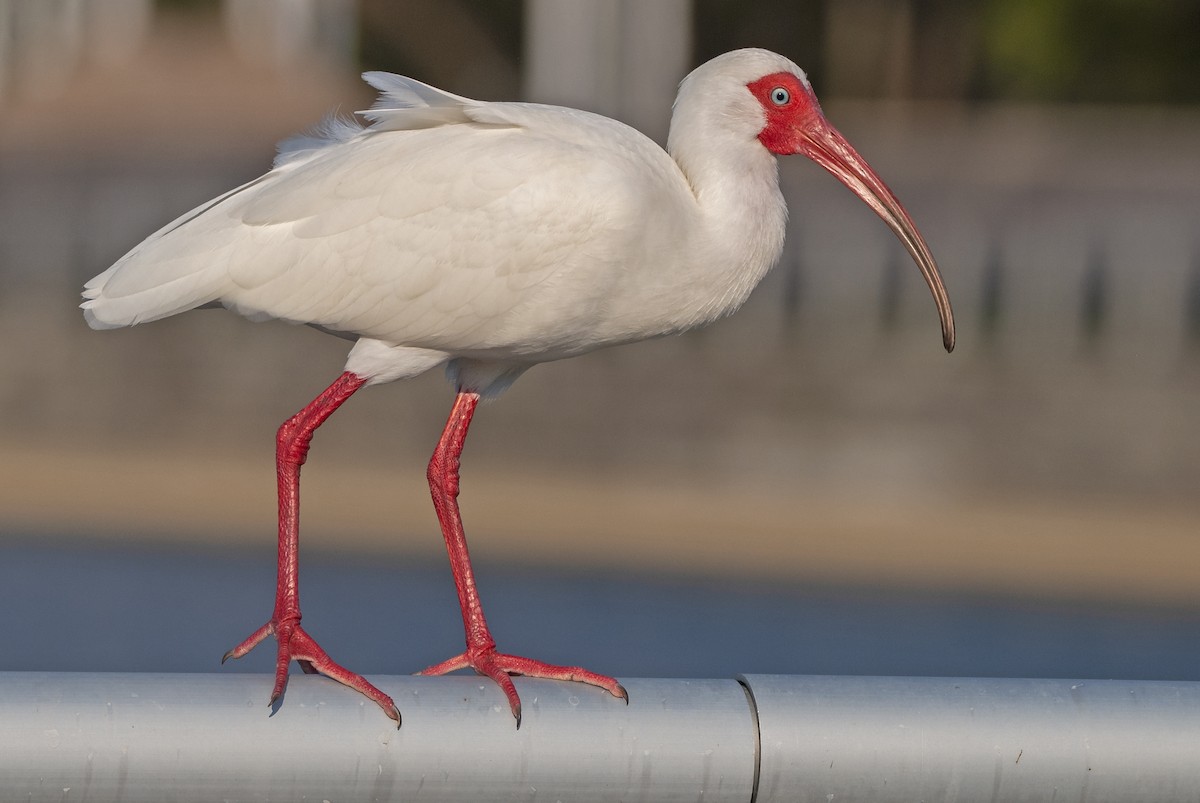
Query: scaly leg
481, 652
291, 451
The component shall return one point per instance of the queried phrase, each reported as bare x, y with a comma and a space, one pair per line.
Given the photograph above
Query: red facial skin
782, 133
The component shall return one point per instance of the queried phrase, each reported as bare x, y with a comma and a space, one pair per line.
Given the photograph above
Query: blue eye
780, 96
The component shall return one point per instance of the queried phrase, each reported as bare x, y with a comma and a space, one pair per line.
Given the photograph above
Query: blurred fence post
621, 58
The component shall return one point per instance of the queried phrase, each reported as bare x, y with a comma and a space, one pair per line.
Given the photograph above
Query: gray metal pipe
154, 738
967, 739
109, 737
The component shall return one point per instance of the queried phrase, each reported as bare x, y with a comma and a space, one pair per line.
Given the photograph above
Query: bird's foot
499, 667
296, 644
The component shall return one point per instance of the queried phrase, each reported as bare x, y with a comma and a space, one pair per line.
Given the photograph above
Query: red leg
292, 444
481, 652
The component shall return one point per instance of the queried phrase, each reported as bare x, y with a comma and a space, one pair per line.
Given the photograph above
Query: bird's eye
780, 96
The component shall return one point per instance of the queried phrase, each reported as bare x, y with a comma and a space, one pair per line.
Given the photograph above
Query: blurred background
810, 486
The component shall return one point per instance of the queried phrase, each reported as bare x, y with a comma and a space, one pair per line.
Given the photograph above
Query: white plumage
502, 233
488, 237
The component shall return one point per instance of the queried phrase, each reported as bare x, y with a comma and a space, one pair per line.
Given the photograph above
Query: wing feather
408, 104
431, 228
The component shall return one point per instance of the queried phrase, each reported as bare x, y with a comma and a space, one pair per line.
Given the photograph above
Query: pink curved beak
824, 144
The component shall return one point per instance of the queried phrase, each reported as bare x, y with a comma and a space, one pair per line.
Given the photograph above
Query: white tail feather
406, 104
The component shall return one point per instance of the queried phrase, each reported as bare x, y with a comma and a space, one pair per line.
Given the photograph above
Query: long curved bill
825, 145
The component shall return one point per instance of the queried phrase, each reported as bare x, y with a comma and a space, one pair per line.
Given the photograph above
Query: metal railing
143, 737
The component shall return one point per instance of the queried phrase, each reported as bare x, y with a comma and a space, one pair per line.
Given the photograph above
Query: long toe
500, 666
255, 638
295, 644
489, 665
309, 654
516, 665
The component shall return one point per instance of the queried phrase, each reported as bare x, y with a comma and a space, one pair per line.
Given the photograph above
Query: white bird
486, 238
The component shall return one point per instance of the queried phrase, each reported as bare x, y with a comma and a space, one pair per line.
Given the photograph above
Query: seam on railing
750, 701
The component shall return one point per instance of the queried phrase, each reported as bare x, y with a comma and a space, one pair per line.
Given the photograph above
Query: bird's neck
743, 213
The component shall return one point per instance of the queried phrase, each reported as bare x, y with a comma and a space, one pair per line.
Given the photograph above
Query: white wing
430, 228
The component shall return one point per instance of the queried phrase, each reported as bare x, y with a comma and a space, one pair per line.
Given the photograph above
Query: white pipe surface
110, 737
211, 737
967, 739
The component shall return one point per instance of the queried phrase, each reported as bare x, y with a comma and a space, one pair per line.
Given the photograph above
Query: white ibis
486, 238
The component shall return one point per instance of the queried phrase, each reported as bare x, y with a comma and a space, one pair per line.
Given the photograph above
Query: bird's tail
158, 278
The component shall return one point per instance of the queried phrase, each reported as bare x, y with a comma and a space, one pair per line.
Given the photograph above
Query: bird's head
760, 95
